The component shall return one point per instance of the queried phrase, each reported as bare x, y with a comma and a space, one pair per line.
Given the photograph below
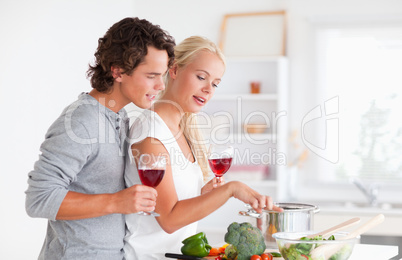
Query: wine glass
151, 169
220, 158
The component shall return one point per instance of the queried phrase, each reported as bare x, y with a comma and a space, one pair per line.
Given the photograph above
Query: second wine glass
220, 158
151, 169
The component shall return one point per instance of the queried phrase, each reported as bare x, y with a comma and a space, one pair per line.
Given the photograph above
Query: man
78, 183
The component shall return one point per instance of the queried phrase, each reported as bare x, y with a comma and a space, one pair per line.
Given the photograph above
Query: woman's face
194, 85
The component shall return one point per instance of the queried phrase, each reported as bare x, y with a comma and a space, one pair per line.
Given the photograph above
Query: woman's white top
145, 239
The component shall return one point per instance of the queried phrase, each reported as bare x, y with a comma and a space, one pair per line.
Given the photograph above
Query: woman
168, 129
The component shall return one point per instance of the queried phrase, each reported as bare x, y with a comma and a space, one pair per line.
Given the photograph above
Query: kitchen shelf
233, 106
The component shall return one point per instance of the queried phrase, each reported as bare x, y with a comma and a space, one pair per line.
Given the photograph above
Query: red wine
151, 177
220, 166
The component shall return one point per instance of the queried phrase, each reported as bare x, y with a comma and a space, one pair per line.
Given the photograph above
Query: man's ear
173, 71
116, 73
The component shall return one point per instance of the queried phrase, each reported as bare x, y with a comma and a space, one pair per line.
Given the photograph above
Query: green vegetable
275, 254
331, 237
301, 251
231, 252
247, 239
342, 254
196, 245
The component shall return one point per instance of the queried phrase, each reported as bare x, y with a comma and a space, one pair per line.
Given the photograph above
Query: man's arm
61, 160
131, 200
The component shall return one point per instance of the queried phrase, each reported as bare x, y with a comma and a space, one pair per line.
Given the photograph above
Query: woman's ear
116, 74
173, 71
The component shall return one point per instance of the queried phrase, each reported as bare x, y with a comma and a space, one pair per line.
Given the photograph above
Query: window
360, 68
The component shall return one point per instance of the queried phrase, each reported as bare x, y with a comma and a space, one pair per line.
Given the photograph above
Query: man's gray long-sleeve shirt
83, 152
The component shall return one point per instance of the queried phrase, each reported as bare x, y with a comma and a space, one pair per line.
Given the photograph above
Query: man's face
146, 81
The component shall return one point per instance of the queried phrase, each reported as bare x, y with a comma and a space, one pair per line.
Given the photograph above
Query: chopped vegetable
301, 251
214, 251
275, 254
222, 248
266, 256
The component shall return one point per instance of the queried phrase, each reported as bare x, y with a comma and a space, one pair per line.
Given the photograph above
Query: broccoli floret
231, 252
247, 239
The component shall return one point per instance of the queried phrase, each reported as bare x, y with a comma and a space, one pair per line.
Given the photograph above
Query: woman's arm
212, 184
175, 214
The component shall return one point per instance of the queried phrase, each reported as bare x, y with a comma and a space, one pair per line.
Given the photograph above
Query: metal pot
296, 217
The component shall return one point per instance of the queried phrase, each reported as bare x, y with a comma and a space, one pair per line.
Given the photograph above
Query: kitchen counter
360, 252
215, 226
364, 251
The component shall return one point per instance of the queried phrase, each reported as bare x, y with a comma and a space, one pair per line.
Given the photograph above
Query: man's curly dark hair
125, 45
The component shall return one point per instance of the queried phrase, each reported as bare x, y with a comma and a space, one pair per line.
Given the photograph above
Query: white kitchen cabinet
233, 106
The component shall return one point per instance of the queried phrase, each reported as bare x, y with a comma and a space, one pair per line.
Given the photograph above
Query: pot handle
316, 209
250, 213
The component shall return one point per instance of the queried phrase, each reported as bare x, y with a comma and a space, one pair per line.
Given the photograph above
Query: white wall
186, 18
45, 47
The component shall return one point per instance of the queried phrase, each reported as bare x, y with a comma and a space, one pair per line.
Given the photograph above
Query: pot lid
291, 207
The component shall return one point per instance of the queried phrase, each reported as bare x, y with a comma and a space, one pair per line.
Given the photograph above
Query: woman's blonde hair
185, 52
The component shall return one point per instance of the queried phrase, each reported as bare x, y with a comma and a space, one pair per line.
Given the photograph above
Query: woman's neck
170, 114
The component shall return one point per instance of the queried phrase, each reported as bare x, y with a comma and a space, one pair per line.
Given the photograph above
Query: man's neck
110, 100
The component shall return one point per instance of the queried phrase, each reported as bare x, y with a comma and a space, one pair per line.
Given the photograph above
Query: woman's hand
212, 184
257, 201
